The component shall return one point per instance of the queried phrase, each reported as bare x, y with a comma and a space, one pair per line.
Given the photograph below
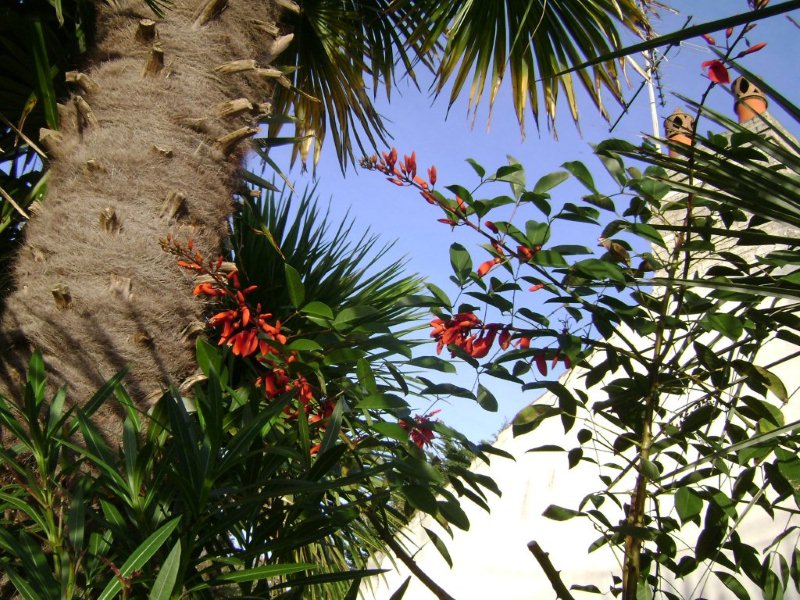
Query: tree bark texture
94, 290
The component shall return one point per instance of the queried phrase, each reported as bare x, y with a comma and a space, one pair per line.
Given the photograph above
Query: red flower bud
491, 226
432, 175
751, 49
428, 197
541, 363
728, 32
709, 40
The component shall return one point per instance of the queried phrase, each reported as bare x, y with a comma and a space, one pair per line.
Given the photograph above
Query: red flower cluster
420, 429
466, 331
402, 173
247, 330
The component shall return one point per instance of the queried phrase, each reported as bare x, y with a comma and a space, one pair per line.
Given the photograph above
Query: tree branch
555, 578
404, 557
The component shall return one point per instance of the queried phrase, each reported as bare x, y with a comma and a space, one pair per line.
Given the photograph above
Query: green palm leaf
531, 40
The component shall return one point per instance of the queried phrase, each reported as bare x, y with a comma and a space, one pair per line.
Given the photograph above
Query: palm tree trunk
148, 145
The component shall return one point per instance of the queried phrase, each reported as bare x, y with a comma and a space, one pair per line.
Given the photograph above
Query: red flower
717, 72
454, 331
485, 267
505, 339
420, 430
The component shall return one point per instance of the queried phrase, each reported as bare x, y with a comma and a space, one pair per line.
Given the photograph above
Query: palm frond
531, 41
343, 53
337, 265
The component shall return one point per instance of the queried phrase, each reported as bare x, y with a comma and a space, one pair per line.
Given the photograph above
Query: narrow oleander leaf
167, 575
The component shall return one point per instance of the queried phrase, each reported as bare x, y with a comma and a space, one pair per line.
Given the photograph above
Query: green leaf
167, 575
773, 589
537, 233
333, 428
439, 544
140, 556
297, 293
461, 262
447, 389
727, 324
687, 504
538, 200
440, 295
599, 270
530, 417
730, 582
381, 402
581, 173
549, 258
44, 77
486, 399
648, 232
773, 383
76, 518
559, 513
352, 315
304, 345
401, 591
433, 362
261, 573
317, 309
476, 167
454, 514
208, 357
600, 201
649, 469
420, 497
550, 181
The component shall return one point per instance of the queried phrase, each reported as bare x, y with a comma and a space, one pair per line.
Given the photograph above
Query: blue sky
446, 138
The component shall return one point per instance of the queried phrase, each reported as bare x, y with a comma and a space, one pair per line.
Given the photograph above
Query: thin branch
406, 559
555, 578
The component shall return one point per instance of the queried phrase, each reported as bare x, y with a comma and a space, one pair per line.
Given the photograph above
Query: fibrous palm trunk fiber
144, 150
